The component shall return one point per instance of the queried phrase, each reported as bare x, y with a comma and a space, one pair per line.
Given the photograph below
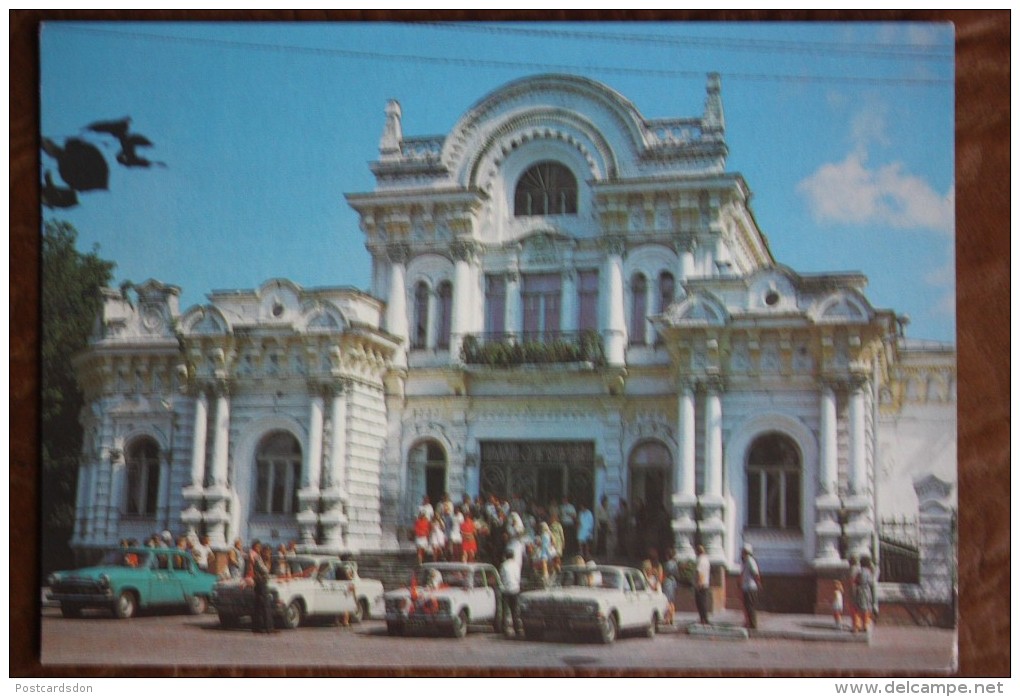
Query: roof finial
392, 136
713, 122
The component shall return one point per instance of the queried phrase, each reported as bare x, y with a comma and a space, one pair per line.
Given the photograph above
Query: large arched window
651, 474
420, 329
773, 483
277, 473
445, 314
547, 188
638, 309
142, 477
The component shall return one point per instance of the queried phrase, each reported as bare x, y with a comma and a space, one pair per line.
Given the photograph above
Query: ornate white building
567, 299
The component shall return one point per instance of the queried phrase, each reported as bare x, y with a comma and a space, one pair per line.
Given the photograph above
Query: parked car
132, 578
601, 600
446, 597
316, 586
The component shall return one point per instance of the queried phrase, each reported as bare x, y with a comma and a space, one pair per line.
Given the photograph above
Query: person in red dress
469, 543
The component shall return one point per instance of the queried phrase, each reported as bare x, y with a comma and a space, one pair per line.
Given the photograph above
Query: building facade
568, 300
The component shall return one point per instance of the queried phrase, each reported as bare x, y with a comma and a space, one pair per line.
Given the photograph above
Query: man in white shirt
203, 553
702, 583
510, 575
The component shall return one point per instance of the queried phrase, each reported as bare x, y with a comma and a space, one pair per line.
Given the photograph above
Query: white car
447, 597
604, 600
318, 586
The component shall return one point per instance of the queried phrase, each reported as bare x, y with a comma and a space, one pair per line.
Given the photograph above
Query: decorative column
308, 495
334, 490
513, 323
684, 494
712, 503
859, 528
568, 302
216, 516
614, 330
827, 503
396, 300
194, 492
463, 252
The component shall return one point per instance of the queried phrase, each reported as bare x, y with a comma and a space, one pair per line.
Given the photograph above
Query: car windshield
301, 566
588, 577
440, 578
128, 558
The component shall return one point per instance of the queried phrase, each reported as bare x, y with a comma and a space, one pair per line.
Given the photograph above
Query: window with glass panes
547, 188
142, 477
495, 305
773, 483
278, 473
541, 301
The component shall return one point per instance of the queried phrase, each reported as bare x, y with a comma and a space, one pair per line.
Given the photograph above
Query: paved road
176, 640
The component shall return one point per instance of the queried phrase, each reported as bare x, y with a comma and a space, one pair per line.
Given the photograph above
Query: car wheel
608, 630
292, 615
460, 625
652, 627
229, 621
361, 612
125, 606
198, 604
70, 611
394, 629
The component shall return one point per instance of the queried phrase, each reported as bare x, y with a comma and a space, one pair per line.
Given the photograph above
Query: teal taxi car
132, 578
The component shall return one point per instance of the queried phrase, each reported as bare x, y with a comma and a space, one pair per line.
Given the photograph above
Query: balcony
505, 350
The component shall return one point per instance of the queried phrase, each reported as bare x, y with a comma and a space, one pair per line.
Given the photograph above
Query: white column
713, 443
313, 460
686, 255
513, 323
615, 326
684, 496
396, 300
198, 441
338, 445
221, 437
463, 254
685, 485
713, 526
568, 303
858, 461
432, 326
828, 465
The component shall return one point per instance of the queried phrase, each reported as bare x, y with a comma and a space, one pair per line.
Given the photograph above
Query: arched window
638, 309
547, 188
773, 483
142, 477
277, 473
445, 314
420, 331
651, 475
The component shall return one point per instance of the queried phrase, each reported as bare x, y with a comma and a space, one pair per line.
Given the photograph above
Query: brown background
983, 275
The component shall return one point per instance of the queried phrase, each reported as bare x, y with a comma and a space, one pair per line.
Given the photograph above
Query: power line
498, 64
874, 50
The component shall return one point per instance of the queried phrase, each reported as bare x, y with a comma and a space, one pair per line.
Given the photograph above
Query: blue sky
843, 131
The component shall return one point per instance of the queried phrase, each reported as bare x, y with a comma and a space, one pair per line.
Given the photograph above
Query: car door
482, 597
333, 593
161, 585
634, 601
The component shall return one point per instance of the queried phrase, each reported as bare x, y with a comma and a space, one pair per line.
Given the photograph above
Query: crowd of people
481, 528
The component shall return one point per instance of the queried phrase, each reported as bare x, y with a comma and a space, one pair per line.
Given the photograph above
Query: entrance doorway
426, 465
539, 471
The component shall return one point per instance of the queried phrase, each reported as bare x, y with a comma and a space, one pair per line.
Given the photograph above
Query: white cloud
851, 193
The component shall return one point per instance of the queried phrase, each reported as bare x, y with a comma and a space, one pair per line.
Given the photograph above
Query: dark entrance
539, 471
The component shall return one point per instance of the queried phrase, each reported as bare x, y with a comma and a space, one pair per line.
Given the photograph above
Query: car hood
93, 573
570, 594
421, 593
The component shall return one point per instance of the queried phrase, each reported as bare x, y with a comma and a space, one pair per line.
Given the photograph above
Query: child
837, 605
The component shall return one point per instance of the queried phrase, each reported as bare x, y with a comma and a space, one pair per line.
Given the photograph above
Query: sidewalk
729, 625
